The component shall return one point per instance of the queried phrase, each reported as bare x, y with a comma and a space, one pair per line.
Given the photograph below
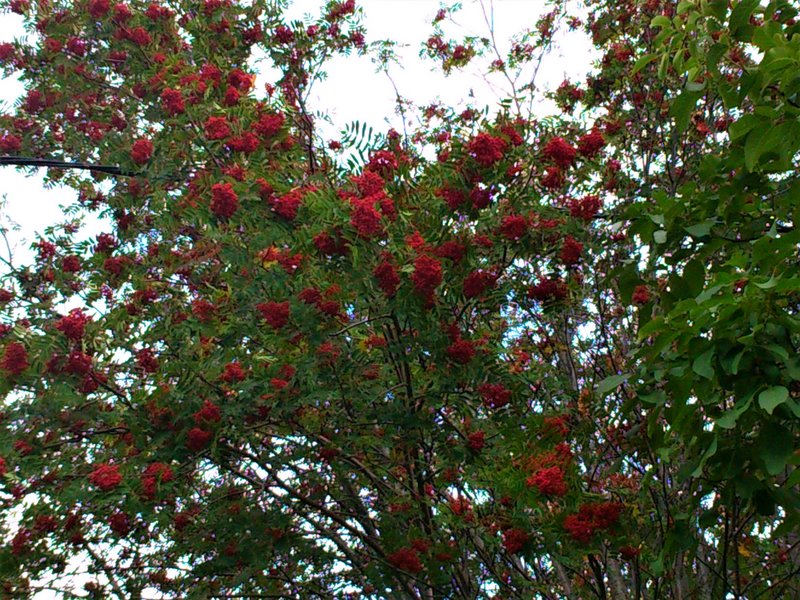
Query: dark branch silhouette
25, 161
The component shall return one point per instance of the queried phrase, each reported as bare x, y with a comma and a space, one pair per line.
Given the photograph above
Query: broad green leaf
695, 86
710, 451
643, 62
709, 293
772, 397
702, 364
694, 276
611, 383
661, 21
769, 112
771, 283
715, 8
651, 327
729, 418
764, 36
740, 15
793, 406
793, 479
752, 147
778, 351
682, 108
702, 229
657, 566
793, 367
656, 397
774, 447
663, 65
743, 125
713, 56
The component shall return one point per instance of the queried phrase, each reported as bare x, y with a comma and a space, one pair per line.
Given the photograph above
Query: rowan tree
495, 355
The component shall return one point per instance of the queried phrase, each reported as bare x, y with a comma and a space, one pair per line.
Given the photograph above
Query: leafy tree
556, 360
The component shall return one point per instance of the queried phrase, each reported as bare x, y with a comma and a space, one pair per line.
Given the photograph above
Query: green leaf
764, 36
793, 480
702, 364
772, 397
764, 503
708, 518
682, 108
742, 126
793, 367
663, 65
701, 230
695, 86
774, 447
740, 15
651, 327
771, 283
715, 8
656, 397
657, 566
752, 147
627, 280
729, 418
735, 362
694, 276
793, 406
660, 236
770, 112
643, 62
661, 21
778, 351
710, 451
767, 141
716, 52
611, 383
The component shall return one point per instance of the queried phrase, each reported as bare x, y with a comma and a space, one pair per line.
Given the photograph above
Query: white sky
353, 91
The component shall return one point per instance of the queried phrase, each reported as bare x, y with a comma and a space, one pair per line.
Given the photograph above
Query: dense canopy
496, 354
